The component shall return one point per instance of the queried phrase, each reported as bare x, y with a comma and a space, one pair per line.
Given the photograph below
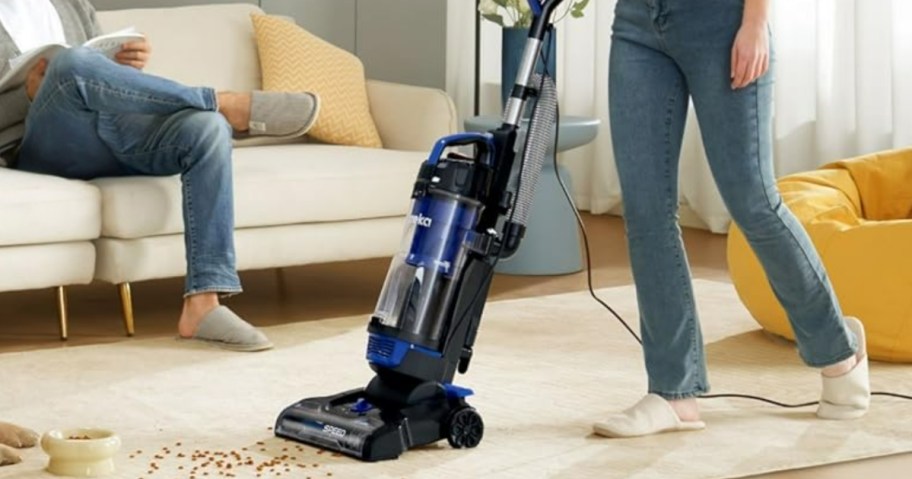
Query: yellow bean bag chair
858, 213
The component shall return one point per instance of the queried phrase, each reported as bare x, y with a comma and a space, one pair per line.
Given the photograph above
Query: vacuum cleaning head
349, 424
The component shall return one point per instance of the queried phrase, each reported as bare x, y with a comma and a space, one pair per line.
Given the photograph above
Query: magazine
109, 44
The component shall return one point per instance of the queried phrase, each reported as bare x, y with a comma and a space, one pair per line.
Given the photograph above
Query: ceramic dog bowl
85, 452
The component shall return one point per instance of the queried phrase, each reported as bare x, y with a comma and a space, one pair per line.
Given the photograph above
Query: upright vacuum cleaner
469, 208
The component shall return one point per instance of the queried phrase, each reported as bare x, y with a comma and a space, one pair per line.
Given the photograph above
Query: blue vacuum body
424, 326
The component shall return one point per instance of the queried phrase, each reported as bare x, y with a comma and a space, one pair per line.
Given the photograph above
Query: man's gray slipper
222, 328
282, 114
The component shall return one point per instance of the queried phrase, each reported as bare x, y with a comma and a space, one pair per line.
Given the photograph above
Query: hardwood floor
28, 319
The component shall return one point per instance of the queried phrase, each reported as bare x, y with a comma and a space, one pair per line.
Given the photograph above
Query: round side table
551, 244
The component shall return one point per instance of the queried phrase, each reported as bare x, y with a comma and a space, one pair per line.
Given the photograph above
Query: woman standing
717, 53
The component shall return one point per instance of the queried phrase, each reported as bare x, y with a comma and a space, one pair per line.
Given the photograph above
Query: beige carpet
544, 369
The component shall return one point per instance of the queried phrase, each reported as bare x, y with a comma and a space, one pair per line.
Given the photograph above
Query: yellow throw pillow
294, 60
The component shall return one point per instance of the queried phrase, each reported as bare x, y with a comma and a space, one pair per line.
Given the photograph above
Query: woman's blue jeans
94, 118
664, 53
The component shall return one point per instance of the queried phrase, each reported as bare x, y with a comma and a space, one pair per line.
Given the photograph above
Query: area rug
544, 369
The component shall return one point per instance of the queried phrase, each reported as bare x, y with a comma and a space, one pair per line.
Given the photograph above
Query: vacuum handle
483, 141
541, 23
541, 10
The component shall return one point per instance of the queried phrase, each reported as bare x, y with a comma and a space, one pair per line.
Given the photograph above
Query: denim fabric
94, 118
663, 53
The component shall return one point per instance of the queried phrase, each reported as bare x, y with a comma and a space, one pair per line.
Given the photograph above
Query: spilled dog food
252, 462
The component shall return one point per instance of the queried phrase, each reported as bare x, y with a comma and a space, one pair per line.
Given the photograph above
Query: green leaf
498, 19
527, 21
502, 3
578, 8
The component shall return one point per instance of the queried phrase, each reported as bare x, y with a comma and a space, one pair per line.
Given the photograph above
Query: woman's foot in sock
840, 368
846, 385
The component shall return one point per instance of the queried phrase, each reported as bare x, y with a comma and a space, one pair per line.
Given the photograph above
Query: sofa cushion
38, 209
273, 186
292, 59
206, 45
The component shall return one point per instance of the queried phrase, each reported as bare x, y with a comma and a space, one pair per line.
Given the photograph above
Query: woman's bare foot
686, 409
235, 107
196, 308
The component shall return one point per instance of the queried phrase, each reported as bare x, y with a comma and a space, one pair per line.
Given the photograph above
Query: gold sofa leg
126, 305
62, 311
281, 283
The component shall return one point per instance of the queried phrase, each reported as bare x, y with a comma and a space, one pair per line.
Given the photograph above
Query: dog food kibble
230, 463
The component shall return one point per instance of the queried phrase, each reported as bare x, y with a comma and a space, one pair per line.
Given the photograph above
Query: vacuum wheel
465, 428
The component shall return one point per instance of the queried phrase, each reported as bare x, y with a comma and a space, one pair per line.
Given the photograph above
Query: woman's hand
750, 55
34, 78
134, 54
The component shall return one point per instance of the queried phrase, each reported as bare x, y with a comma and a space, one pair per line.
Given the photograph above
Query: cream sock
848, 396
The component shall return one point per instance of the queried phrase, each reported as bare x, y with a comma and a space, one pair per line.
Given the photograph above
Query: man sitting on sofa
83, 116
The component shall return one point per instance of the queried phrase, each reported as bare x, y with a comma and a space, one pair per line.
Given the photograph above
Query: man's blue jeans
94, 118
663, 53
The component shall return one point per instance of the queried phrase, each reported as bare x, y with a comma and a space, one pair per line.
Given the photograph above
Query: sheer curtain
843, 88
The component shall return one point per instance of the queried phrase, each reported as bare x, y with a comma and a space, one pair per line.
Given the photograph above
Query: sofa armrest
409, 117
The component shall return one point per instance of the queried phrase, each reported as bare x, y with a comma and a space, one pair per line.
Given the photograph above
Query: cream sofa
294, 204
47, 226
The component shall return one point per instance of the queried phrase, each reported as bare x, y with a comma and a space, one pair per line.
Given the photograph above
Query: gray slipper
222, 328
282, 114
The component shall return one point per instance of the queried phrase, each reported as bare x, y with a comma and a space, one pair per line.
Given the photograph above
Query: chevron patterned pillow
294, 60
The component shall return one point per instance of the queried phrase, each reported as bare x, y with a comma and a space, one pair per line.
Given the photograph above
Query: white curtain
843, 88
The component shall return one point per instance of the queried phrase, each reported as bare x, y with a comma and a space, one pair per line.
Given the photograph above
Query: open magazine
109, 44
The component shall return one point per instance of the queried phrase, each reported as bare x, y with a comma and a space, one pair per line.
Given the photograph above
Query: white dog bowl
83, 452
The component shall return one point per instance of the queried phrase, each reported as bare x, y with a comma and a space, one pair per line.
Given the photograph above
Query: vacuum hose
537, 146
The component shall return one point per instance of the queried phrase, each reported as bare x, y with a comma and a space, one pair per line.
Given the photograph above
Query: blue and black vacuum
470, 205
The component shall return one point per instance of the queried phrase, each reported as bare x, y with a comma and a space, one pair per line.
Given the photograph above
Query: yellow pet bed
858, 213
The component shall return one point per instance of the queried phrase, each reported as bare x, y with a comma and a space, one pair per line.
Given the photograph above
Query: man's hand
134, 54
34, 78
750, 57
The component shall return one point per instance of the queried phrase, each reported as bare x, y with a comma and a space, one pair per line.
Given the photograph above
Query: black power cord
585, 234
